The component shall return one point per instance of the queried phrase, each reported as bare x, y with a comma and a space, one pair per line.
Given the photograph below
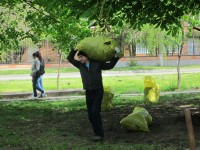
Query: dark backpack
41, 71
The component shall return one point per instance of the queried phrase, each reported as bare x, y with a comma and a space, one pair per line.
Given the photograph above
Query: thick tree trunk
58, 77
179, 60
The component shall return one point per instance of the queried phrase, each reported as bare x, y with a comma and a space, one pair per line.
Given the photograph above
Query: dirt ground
167, 129
168, 126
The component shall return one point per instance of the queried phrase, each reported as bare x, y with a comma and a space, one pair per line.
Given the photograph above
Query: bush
132, 63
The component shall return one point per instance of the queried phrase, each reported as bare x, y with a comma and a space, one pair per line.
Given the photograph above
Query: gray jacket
35, 67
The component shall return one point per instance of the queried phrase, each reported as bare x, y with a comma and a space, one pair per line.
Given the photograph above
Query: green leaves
39, 19
58, 19
164, 13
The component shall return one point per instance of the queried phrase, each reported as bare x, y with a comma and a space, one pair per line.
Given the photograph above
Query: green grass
27, 71
121, 84
43, 125
73, 69
151, 67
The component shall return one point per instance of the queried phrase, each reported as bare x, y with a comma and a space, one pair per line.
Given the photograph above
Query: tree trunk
156, 50
130, 50
58, 77
161, 59
173, 51
133, 49
179, 59
193, 50
12, 57
122, 41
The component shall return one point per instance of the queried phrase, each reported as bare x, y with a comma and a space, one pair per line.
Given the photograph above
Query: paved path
54, 98
74, 97
105, 74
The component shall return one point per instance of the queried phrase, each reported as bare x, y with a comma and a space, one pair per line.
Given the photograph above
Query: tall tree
39, 20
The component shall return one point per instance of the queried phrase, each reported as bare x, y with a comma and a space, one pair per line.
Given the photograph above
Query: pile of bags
138, 120
99, 48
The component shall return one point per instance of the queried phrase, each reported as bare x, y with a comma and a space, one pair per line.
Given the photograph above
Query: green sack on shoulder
99, 48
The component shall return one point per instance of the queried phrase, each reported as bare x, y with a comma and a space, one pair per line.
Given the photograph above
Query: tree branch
42, 12
198, 29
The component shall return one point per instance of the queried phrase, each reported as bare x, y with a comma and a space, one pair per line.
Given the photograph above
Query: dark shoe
97, 139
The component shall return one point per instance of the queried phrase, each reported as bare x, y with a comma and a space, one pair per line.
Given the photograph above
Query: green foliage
13, 28
158, 41
132, 63
39, 20
165, 13
193, 23
58, 21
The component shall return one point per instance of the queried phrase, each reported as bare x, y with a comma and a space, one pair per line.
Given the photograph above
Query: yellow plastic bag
151, 90
107, 99
99, 48
138, 120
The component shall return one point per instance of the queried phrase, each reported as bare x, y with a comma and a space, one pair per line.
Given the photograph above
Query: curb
70, 94
57, 93
163, 93
59, 98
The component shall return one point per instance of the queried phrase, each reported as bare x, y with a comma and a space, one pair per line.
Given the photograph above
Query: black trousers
93, 102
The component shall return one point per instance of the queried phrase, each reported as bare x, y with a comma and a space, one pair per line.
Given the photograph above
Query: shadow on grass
64, 125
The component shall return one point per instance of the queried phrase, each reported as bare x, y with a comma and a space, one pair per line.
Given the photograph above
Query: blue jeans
35, 86
39, 83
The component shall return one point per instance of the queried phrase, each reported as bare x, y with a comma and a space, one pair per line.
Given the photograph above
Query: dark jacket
91, 78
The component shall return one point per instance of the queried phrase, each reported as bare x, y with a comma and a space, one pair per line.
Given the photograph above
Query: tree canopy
39, 20
59, 19
163, 13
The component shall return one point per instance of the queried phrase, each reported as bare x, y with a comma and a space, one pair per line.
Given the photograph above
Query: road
104, 74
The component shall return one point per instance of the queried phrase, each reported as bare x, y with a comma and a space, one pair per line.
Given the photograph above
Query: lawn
73, 69
120, 84
63, 125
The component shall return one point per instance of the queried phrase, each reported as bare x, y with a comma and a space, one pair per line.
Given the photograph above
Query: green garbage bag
99, 48
151, 90
138, 120
107, 99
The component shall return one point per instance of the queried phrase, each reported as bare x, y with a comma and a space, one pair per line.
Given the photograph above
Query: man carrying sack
91, 74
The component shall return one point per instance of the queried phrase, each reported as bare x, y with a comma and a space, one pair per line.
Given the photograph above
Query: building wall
48, 53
